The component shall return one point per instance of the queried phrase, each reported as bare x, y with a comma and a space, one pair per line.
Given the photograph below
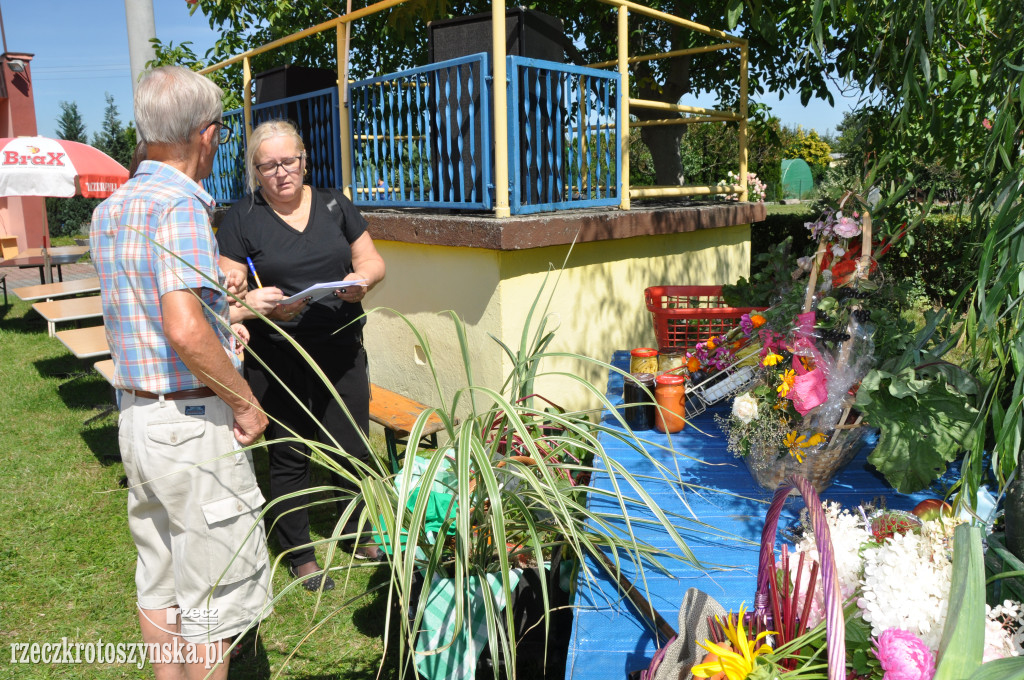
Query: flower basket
770, 470
796, 417
835, 625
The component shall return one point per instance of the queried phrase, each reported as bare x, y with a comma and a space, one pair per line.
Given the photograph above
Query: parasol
40, 166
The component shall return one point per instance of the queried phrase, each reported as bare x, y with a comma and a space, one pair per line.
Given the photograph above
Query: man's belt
195, 393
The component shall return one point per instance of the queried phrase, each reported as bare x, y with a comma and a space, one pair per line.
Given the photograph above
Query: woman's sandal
312, 581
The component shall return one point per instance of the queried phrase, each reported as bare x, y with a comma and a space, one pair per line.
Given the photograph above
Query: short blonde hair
263, 132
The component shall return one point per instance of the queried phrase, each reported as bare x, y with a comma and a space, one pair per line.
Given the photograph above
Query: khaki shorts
193, 511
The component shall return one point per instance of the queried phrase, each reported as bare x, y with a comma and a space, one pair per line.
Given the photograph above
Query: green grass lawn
791, 209
67, 561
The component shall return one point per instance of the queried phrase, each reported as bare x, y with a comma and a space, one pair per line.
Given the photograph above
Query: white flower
838, 250
902, 583
744, 408
906, 584
848, 534
1004, 629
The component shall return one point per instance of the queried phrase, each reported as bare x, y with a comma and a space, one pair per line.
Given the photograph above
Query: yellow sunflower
796, 443
737, 662
787, 382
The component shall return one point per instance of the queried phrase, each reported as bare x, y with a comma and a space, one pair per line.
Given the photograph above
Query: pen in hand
252, 269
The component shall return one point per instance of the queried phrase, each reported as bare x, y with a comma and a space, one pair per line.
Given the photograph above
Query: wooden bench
50, 291
397, 414
106, 369
85, 343
71, 309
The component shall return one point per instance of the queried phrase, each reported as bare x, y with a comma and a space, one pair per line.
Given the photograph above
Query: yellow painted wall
598, 305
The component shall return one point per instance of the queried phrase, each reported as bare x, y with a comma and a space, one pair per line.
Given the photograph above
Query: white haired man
202, 575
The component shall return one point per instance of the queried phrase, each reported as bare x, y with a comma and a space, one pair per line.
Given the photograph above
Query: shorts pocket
235, 546
175, 433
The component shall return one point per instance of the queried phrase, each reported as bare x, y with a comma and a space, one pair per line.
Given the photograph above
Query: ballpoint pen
252, 268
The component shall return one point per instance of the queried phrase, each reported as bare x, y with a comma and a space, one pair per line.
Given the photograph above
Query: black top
294, 260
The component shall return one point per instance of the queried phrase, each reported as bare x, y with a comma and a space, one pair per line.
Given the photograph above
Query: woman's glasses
269, 169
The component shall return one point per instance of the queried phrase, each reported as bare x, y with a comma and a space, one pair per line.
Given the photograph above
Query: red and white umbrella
40, 166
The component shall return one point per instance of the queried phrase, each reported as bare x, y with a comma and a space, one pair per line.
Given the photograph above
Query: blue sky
81, 53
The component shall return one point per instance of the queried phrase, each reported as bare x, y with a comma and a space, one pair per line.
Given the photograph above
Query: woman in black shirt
297, 236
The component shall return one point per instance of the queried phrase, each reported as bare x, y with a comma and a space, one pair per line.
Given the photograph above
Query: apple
932, 508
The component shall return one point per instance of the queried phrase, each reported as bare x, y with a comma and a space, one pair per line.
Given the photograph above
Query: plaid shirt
151, 237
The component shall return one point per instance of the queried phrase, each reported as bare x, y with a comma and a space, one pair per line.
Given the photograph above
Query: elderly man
202, 574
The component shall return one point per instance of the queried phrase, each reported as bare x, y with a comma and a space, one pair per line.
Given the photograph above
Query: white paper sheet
321, 290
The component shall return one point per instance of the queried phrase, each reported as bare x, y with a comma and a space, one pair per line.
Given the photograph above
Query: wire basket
835, 624
686, 315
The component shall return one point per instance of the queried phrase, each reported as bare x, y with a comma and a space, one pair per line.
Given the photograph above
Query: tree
710, 150
781, 57
945, 87
67, 215
114, 139
70, 124
808, 146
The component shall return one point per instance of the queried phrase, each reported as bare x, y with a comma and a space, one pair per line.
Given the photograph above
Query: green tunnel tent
797, 181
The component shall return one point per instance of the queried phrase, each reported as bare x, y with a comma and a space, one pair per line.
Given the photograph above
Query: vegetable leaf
925, 423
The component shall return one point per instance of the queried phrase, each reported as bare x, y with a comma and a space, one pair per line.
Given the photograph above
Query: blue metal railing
315, 114
227, 181
422, 137
563, 136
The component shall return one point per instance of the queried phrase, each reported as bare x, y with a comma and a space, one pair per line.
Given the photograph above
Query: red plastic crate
686, 315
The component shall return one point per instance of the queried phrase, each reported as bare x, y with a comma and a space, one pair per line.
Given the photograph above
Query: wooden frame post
623, 54
247, 97
344, 117
499, 86
744, 53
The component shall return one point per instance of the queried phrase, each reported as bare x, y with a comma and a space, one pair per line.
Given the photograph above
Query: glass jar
671, 358
643, 360
639, 411
670, 393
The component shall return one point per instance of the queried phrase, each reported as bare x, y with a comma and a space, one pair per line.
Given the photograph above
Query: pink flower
903, 656
986, 123
846, 227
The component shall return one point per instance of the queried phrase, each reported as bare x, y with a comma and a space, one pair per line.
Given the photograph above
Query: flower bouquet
900, 598
797, 418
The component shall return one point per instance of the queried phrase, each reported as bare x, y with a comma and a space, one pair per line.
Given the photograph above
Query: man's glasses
224, 131
269, 169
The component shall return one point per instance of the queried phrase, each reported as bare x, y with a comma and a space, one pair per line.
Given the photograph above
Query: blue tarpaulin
609, 638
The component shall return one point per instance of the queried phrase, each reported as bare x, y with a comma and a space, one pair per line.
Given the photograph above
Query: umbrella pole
47, 269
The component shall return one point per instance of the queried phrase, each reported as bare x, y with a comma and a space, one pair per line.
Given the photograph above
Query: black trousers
344, 364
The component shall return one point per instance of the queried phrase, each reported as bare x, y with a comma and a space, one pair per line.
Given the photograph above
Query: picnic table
71, 309
49, 291
610, 638
33, 257
85, 343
